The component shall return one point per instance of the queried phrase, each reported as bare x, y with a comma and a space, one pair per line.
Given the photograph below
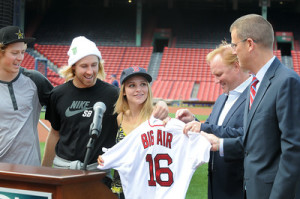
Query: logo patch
74, 50
20, 35
77, 107
135, 69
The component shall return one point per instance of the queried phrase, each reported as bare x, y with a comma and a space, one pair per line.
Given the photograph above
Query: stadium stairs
53, 77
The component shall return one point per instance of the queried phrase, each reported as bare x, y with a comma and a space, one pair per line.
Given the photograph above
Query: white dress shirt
232, 97
261, 73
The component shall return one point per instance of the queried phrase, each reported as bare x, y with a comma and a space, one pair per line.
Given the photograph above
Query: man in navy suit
225, 179
271, 141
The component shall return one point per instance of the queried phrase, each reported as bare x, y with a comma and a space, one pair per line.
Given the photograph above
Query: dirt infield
196, 111
43, 133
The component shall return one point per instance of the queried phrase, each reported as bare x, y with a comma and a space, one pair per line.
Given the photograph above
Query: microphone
96, 126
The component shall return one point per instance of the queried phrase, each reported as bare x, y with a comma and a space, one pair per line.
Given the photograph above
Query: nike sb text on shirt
79, 107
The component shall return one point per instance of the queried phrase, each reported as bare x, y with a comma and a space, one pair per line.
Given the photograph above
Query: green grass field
198, 186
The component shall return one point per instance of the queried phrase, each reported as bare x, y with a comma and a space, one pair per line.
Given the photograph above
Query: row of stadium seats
184, 64
296, 60
186, 28
181, 69
116, 58
182, 90
179, 90
297, 45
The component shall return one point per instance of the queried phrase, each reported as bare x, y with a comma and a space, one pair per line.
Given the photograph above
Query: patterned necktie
253, 90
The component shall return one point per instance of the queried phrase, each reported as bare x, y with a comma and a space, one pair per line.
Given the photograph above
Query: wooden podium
61, 183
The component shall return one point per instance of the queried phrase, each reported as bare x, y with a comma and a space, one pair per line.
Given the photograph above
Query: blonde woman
134, 106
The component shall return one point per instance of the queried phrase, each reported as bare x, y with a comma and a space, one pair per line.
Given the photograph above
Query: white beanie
80, 48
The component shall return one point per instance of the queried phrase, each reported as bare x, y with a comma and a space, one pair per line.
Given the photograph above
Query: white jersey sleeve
156, 161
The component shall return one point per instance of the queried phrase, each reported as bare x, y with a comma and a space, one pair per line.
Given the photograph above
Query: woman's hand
100, 160
161, 110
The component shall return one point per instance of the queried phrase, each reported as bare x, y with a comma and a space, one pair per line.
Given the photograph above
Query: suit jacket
271, 141
225, 179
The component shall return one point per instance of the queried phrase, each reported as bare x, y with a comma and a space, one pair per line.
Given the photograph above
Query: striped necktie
253, 90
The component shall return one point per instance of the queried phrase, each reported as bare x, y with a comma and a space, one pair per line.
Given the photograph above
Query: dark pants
107, 181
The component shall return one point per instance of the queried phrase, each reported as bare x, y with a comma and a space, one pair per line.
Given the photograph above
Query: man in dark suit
271, 141
225, 179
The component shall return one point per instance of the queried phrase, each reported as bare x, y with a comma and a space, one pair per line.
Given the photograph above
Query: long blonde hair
122, 106
68, 73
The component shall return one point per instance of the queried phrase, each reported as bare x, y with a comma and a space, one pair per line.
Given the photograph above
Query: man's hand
193, 126
214, 140
184, 115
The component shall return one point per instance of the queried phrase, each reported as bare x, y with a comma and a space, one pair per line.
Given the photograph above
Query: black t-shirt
70, 112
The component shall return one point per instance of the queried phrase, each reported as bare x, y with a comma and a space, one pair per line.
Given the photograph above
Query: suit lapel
235, 106
266, 82
218, 109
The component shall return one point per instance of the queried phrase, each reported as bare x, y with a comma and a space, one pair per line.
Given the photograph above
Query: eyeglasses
234, 45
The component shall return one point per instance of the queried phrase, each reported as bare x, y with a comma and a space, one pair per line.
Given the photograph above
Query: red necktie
253, 90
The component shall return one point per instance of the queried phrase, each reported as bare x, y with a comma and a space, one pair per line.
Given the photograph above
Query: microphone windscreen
99, 105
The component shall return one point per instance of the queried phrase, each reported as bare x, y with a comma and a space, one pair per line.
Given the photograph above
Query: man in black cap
23, 93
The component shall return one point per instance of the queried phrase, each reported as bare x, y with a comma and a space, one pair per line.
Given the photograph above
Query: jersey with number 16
156, 161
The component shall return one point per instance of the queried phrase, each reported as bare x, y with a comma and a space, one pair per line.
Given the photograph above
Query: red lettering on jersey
164, 138
147, 139
169, 140
159, 138
150, 138
144, 140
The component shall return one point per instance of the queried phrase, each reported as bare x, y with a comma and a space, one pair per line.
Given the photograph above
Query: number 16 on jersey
156, 170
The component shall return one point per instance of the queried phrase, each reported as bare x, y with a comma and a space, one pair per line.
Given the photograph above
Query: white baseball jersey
156, 161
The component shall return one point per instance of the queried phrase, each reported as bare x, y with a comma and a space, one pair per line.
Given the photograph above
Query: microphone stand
89, 147
93, 136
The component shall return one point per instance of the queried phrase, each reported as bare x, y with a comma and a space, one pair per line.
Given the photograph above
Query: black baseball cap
13, 34
132, 71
